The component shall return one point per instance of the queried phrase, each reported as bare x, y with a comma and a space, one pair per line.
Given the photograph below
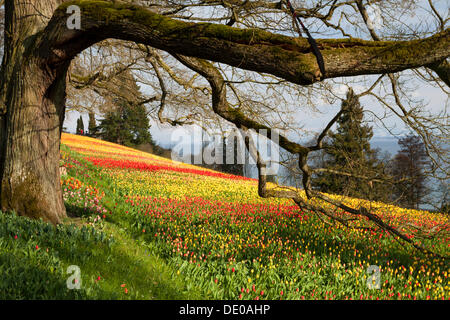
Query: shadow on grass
26, 278
33, 264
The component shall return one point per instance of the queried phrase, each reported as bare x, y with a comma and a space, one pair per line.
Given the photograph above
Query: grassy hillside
144, 227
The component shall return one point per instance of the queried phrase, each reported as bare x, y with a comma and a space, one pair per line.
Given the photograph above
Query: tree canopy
349, 149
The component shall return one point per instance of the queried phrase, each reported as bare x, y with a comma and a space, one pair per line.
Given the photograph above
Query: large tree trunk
32, 100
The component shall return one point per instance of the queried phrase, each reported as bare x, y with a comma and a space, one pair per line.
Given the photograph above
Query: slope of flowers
220, 235
109, 155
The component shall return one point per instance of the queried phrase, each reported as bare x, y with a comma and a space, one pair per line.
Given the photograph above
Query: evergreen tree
77, 130
127, 122
408, 168
348, 150
128, 125
92, 125
80, 126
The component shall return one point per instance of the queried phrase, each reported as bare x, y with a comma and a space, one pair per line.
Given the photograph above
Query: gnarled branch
252, 49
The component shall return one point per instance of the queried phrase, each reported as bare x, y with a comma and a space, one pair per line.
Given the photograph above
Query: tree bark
32, 100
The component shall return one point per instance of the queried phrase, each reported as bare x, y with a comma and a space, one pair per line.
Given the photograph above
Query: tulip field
220, 237
146, 227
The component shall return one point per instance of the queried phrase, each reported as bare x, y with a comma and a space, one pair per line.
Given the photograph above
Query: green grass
34, 257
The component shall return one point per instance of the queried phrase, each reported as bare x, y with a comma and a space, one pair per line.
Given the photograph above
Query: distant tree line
401, 180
